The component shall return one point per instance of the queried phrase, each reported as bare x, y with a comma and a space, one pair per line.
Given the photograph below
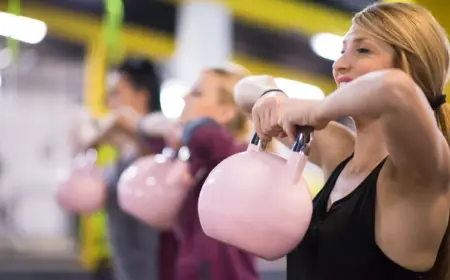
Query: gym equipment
258, 201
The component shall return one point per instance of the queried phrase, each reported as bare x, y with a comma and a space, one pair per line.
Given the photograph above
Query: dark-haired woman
139, 251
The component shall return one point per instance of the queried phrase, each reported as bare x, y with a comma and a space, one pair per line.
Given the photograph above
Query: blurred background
55, 57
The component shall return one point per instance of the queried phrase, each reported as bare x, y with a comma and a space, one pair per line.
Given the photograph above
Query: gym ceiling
270, 35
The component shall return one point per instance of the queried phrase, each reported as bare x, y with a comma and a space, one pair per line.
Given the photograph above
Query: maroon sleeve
210, 143
153, 144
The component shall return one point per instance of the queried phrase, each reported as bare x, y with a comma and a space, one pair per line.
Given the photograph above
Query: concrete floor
83, 276
43, 276
20, 267
14, 266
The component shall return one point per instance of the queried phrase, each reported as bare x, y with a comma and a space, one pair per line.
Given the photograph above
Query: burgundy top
201, 257
168, 245
154, 145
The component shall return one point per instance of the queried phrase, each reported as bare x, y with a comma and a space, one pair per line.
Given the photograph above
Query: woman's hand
158, 125
297, 113
249, 90
266, 115
278, 116
127, 118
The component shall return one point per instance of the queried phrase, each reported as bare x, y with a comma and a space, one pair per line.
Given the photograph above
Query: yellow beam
306, 18
93, 237
84, 29
96, 64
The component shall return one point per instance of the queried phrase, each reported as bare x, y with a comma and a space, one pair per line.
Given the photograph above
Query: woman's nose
341, 65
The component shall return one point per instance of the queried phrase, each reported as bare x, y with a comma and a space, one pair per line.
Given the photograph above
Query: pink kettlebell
258, 201
83, 191
154, 188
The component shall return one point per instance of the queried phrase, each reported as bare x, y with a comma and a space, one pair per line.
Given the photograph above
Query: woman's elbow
399, 90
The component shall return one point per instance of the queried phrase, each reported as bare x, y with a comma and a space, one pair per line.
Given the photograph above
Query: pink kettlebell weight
258, 201
83, 191
153, 189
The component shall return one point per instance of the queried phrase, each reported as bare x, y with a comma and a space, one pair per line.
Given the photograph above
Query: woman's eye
196, 93
362, 50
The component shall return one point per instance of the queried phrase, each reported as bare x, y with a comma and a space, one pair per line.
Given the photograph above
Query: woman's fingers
266, 115
257, 124
291, 131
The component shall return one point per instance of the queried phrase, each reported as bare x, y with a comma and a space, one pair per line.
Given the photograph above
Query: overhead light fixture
20, 28
327, 45
299, 90
172, 102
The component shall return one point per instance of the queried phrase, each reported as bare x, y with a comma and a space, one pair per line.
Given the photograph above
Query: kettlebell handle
257, 141
304, 139
302, 143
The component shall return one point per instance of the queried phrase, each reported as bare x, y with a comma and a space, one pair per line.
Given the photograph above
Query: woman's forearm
103, 136
247, 100
368, 96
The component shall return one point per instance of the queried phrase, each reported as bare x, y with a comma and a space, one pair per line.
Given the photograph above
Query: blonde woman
384, 211
213, 129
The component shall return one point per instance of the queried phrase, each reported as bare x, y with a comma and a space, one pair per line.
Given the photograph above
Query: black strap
272, 90
437, 101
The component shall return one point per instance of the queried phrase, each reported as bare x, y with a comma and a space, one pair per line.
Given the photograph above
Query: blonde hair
230, 75
421, 46
240, 126
422, 51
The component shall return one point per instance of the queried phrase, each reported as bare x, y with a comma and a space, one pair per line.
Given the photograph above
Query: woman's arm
330, 146
147, 132
102, 135
415, 144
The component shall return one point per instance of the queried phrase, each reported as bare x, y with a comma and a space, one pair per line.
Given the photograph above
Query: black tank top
340, 243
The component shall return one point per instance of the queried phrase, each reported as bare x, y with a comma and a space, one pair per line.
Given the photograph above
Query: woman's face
123, 94
204, 100
361, 54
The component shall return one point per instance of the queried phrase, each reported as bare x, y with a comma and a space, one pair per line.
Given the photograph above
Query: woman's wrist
321, 113
273, 92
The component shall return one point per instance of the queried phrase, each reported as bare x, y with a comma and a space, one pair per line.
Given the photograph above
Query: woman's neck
370, 146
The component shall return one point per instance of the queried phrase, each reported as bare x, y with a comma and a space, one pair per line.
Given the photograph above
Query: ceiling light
172, 102
299, 90
327, 45
24, 29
